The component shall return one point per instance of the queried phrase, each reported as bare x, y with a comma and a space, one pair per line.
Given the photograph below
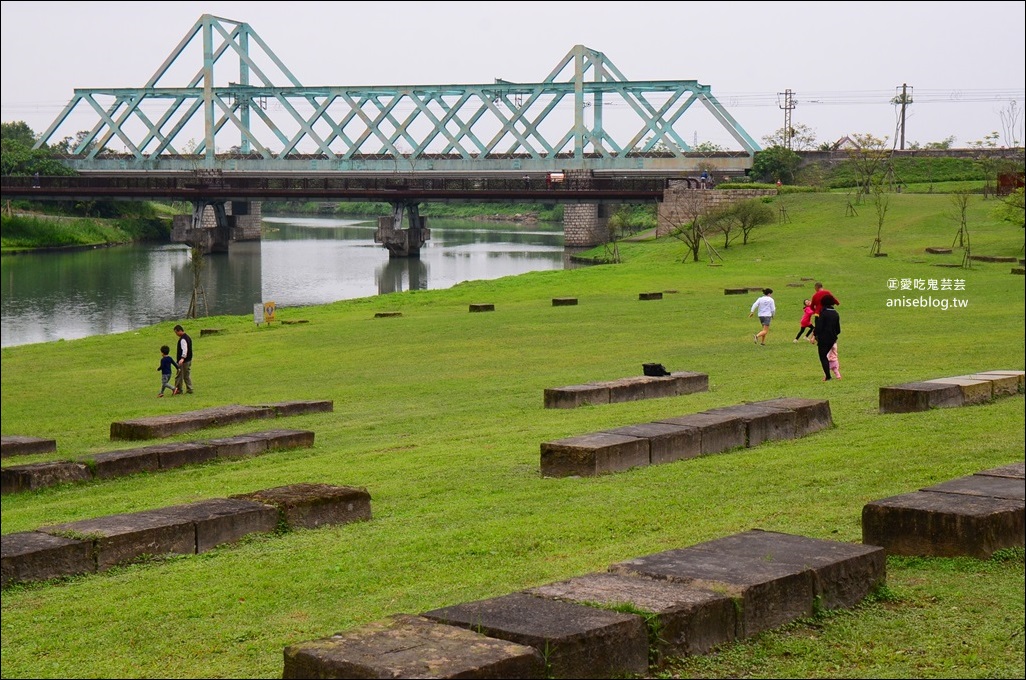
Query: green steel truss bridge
242, 109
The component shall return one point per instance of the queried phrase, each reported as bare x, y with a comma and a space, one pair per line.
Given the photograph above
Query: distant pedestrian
184, 376
828, 328
805, 325
767, 309
166, 364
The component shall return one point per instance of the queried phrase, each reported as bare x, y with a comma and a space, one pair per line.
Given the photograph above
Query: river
300, 261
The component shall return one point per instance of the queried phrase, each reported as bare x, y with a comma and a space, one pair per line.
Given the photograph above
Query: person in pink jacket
806, 326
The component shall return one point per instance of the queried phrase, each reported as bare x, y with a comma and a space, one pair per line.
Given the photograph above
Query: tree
776, 163
681, 219
960, 200
802, 137
869, 161
881, 202
1012, 125
740, 219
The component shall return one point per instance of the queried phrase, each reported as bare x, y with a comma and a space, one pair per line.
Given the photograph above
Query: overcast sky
843, 61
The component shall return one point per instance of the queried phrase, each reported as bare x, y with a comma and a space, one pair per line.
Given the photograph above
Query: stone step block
768, 594
168, 425
1013, 470
762, 423
934, 524
593, 454
983, 485
973, 391
688, 620
173, 455
308, 505
1005, 384
650, 296
122, 463
283, 409
919, 396
843, 574
285, 439
406, 646
573, 396
119, 539
577, 641
666, 443
21, 445
564, 302
482, 307
35, 556
32, 476
1020, 375
720, 431
224, 520
386, 315
811, 415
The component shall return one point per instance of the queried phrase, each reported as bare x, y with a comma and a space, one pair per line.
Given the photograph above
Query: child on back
806, 323
166, 362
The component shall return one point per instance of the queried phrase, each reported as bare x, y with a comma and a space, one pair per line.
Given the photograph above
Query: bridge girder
584, 115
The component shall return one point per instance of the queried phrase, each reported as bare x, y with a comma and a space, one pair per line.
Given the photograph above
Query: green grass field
438, 414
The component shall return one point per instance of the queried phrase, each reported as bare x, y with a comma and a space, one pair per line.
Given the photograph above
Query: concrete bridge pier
403, 242
213, 224
585, 225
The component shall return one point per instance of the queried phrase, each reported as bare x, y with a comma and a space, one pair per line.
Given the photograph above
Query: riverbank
438, 414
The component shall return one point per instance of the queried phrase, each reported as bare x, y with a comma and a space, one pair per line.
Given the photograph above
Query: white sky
843, 61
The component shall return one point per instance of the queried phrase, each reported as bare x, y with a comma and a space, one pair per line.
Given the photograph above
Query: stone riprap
153, 458
171, 424
959, 390
972, 516
676, 603
21, 445
97, 544
626, 389
682, 437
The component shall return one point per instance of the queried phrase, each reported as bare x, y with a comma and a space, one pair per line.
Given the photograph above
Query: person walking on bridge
184, 354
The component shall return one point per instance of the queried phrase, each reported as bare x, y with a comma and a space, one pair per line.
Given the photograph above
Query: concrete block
224, 520
1020, 375
936, 524
564, 302
689, 382
20, 445
118, 539
34, 556
769, 594
762, 423
720, 431
121, 463
650, 296
385, 315
238, 446
1005, 384
15, 478
689, 620
573, 396
285, 439
577, 641
843, 574
283, 409
973, 391
919, 396
406, 646
638, 388
485, 307
168, 425
593, 454
307, 505
1013, 470
811, 415
983, 485
183, 453
666, 443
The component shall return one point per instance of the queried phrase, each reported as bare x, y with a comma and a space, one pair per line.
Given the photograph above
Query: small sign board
263, 312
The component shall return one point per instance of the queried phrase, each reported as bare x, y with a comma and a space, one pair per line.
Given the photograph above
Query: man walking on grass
184, 354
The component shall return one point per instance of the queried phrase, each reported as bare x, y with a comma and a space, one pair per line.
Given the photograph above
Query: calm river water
300, 261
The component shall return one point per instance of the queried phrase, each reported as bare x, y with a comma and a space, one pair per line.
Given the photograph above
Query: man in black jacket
828, 327
184, 345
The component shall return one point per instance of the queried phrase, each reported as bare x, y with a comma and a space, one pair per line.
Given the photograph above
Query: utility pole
787, 106
905, 98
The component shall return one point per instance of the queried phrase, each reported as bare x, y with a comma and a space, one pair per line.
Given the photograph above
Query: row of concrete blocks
672, 439
94, 545
617, 623
972, 516
154, 458
171, 424
634, 388
21, 445
561, 302
961, 390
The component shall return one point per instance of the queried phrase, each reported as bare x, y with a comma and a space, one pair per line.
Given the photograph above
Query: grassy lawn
438, 414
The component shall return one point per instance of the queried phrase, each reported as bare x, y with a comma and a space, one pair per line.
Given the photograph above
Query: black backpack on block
656, 370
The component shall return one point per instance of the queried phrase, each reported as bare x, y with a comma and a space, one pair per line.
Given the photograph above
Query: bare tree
869, 161
1012, 125
960, 200
681, 220
881, 202
197, 265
